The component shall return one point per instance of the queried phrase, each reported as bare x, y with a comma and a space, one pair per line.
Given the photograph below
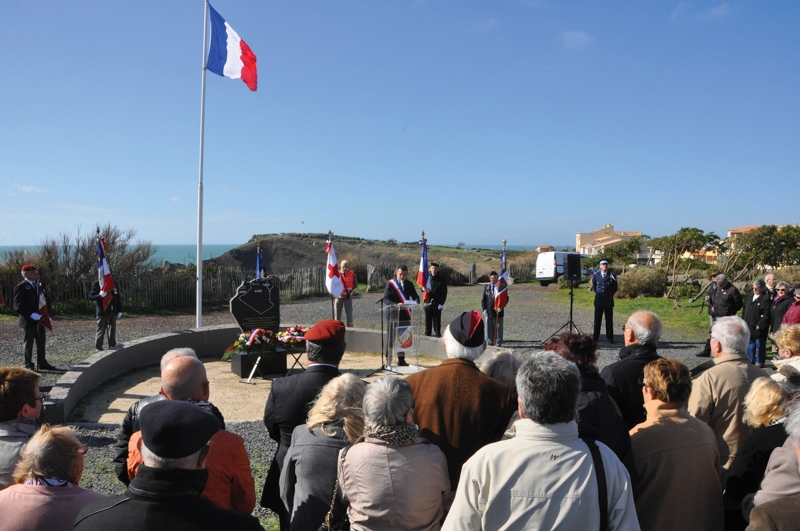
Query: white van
550, 266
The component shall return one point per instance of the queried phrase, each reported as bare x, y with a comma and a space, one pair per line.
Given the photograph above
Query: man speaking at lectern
399, 291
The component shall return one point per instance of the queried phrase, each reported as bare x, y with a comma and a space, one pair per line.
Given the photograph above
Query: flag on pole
259, 257
44, 309
333, 280
104, 273
424, 276
501, 289
229, 56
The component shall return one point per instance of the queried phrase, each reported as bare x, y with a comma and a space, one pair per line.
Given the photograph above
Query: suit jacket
26, 302
487, 301
459, 409
757, 312
438, 293
622, 379
287, 407
114, 307
390, 298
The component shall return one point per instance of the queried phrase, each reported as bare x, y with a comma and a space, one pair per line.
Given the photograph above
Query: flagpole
199, 294
497, 311
333, 312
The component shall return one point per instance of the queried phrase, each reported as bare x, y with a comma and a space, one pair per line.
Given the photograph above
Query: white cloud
174, 199
576, 40
684, 11
27, 189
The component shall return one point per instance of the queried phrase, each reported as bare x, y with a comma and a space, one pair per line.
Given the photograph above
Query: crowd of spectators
550, 442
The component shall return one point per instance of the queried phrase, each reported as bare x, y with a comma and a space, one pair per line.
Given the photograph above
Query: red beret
28, 267
327, 331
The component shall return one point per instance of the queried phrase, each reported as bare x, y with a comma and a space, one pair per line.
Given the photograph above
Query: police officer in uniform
435, 299
604, 285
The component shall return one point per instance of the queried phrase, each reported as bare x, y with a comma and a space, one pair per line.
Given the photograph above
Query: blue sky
473, 121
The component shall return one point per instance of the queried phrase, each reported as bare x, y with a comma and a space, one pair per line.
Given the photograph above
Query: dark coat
390, 298
26, 302
622, 379
130, 425
287, 407
778, 310
487, 301
598, 417
751, 461
758, 313
726, 301
459, 409
712, 288
308, 476
438, 293
604, 289
114, 307
162, 499
776, 515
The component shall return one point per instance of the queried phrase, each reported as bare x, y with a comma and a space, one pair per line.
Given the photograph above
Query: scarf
49, 482
399, 434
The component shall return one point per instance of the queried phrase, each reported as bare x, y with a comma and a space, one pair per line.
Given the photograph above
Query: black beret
172, 428
434, 264
467, 329
493, 273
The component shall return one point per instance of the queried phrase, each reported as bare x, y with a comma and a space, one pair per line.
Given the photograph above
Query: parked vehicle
551, 265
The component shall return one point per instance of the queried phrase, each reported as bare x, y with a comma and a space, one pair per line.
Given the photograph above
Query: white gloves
119, 315
35, 316
485, 314
441, 306
103, 293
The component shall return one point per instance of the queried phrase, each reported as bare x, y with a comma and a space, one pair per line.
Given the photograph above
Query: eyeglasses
780, 289
642, 383
41, 398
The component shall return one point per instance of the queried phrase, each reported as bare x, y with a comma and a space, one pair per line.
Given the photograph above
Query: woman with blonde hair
308, 476
764, 410
46, 495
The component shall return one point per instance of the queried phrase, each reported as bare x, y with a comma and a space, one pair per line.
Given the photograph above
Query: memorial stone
257, 304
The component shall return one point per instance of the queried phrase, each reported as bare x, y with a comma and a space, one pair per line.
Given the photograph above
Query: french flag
104, 272
229, 56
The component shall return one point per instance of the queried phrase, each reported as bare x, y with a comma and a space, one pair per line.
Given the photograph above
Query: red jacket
230, 482
792, 315
349, 283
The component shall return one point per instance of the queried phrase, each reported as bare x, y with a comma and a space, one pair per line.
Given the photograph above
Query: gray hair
330, 353
784, 285
792, 425
760, 283
454, 349
387, 401
176, 353
503, 367
548, 387
183, 463
732, 333
646, 327
344, 263
721, 279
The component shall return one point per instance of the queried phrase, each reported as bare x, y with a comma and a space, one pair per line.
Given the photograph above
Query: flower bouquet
293, 338
258, 340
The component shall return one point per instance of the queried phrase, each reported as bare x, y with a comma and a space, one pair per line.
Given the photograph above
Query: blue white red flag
259, 256
104, 273
229, 56
501, 288
424, 276
333, 280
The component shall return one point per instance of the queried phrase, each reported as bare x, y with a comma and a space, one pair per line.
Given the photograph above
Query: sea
174, 254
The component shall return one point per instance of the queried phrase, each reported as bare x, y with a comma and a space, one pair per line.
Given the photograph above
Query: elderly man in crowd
757, 315
669, 447
545, 477
641, 334
458, 408
291, 398
727, 300
718, 393
20, 407
770, 281
391, 478
165, 492
130, 424
230, 482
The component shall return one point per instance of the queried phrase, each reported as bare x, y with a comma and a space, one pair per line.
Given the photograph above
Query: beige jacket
718, 400
677, 461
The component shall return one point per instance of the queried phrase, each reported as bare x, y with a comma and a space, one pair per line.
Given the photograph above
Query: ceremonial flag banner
44, 310
501, 289
229, 55
333, 281
423, 276
259, 256
104, 272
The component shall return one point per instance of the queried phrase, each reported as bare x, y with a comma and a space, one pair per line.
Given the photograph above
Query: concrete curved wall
208, 342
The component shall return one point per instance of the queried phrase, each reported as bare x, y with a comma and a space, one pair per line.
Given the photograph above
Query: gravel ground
530, 319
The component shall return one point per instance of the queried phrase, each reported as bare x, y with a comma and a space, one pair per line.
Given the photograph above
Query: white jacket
543, 478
